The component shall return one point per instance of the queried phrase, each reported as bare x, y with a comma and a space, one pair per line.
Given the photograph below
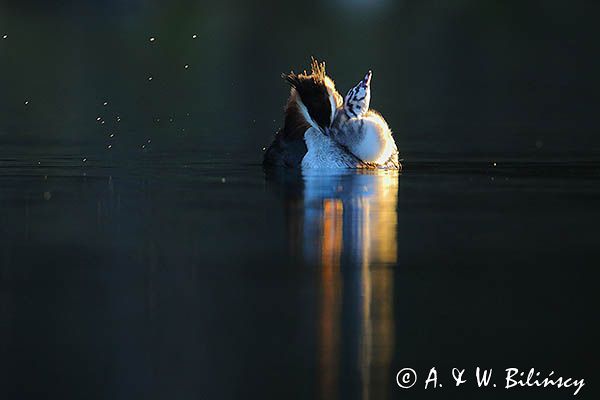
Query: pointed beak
367, 79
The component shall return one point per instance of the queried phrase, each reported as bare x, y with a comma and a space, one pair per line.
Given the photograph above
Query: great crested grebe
322, 130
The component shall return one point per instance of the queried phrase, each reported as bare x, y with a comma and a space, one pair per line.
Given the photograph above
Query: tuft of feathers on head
317, 74
318, 70
312, 92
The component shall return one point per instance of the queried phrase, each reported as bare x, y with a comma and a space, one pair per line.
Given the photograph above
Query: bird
322, 130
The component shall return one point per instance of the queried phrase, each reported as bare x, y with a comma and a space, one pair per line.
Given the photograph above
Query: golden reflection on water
329, 330
350, 230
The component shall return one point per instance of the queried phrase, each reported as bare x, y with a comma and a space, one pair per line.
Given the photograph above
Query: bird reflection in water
345, 223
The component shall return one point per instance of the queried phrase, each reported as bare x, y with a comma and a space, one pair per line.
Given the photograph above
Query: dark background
170, 265
455, 79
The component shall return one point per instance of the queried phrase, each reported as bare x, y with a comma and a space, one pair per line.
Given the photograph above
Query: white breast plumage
323, 152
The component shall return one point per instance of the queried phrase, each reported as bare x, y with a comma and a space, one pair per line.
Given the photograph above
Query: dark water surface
166, 278
144, 253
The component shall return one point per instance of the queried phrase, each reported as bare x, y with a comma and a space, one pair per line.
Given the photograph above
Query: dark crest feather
317, 74
292, 79
312, 91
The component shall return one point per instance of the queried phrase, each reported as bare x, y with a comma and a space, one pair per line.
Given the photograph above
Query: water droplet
186, 66
264, 148
39, 163
112, 135
494, 164
171, 119
143, 146
26, 102
98, 119
102, 122
223, 180
105, 103
194, 36
149, 140
118, 119
4, 37
149, 78
152, 39
84, 159
109, 146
